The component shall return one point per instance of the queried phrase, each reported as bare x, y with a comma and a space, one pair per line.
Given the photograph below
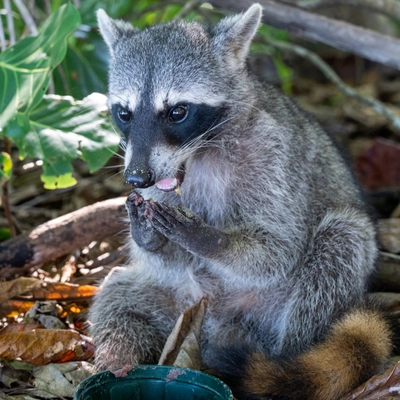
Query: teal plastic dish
153, 382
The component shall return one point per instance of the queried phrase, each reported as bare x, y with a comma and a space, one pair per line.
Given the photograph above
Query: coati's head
171, 88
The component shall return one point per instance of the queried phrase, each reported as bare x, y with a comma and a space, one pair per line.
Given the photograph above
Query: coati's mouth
172, 183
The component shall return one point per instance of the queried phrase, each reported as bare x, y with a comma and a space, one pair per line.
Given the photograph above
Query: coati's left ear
113, 30
233, 35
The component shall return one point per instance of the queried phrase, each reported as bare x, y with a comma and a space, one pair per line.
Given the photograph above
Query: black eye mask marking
178, 114
122, 117
198, 119
178, 125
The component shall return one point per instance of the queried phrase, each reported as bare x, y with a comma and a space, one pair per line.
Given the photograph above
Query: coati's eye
124, 115
178, 113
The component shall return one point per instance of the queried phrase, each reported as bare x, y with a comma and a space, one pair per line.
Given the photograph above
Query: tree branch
10, 22
2, 36
26, 16
186, 9
339, 34
62, 235
330, 74
5, 200
390, 8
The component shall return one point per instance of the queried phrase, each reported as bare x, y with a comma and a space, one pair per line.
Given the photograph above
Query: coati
269, 223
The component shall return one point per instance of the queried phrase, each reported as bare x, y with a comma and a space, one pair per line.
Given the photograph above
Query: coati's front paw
186, 228
142, 231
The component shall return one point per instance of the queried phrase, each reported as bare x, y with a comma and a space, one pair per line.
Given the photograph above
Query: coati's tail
357, 348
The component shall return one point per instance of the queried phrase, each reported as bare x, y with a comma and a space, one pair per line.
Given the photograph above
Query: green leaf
284, 72
25, 67
84, 69
18, 127
5, 234
115, 8
5, 167
62, 129
57, 175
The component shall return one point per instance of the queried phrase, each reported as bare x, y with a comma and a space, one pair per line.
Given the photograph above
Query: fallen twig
62, 235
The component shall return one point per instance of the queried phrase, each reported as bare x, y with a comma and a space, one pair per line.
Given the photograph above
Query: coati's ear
233, 35
113, 30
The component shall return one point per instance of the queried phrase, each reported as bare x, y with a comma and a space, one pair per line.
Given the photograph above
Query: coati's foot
142, 230
131, 319
182, 226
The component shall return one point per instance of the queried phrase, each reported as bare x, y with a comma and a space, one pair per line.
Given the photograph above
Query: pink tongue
167, 184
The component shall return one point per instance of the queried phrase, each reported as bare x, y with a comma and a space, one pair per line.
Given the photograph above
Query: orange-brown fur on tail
356, 348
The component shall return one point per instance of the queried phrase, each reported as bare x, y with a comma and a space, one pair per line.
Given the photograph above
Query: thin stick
186, 9
339, 34
10, 22
334, 78
5, 198
26, 16
2, 36
61, 236
390, 8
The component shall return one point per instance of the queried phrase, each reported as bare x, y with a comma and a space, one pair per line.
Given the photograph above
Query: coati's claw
142, 230
162, 217
137, 199
133, 200
181, 225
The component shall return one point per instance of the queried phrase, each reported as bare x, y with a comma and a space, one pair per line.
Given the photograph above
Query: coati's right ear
113, 30
233, 35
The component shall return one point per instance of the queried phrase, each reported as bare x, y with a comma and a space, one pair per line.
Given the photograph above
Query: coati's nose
140, 178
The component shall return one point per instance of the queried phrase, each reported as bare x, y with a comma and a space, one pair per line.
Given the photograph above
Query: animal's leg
131, 319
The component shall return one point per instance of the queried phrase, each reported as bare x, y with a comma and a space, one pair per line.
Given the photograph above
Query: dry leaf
388, 301
17, 287
60, 380
379, 166
45, 313
10, 377
40, 290
182, 348
43, 346
384, 385
18, 328
42, 308
63, 291
389, 234
13, 308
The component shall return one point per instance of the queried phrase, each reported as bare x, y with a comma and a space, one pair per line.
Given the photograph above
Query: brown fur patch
356, 348
262, 375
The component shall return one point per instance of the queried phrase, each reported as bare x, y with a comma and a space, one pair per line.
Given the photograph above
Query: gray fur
270, 224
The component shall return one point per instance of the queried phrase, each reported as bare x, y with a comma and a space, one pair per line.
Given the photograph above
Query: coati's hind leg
330, 280
130, 320
356, 348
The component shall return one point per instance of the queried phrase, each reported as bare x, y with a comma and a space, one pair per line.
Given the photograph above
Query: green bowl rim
149, 371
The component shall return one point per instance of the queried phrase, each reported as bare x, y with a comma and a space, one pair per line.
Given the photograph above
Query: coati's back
269, 223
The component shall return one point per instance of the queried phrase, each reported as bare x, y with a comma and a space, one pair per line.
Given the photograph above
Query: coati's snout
144, 178
140, 178
138, 172
152, 162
